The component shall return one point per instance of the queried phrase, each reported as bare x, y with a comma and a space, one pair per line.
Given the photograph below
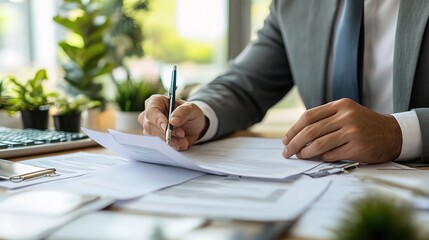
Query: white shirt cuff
411, 135
213, 120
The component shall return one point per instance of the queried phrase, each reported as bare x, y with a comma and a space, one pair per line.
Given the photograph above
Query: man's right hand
187, 119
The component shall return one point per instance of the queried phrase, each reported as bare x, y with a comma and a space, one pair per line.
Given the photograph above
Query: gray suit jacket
293, 49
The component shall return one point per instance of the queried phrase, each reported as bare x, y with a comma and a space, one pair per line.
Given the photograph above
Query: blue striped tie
348, 53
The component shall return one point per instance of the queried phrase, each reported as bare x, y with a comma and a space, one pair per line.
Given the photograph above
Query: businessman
361, 68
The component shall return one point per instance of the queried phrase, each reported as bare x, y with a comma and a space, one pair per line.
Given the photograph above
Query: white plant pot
127, 121
90, 118
10, 121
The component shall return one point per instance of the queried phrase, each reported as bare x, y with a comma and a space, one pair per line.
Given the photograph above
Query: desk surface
254, 230
265, 129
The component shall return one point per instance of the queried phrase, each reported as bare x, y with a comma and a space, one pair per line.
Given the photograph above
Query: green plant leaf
87, 62
377, 217
67, 23
29, 95
131, 95
40, 76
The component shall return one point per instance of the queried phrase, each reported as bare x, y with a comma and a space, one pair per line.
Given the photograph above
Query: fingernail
180, 134
288, 154
285, 153
173, 119
285, 140
163, 126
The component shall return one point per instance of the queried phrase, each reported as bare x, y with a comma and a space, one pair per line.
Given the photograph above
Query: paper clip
49, 172
338, 169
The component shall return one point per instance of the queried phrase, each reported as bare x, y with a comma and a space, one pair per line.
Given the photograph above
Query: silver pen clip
337, 169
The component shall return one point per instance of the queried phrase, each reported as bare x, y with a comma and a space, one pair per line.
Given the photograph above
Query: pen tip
174, 67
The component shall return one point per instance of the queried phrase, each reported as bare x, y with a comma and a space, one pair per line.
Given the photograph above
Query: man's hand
344, 130
187, 119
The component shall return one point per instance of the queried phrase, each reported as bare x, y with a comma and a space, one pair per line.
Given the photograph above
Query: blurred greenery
3, 93
124, 38
30, 94
131, 95
377, 217
86, 51
74, 105
163, 42
2, 24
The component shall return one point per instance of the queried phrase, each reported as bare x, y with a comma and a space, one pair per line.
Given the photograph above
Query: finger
308, 117
187, 112
177, 142
311, 133
154, 116
338, 153
151, 129
178, 132
156, 108
321, 145
180, 144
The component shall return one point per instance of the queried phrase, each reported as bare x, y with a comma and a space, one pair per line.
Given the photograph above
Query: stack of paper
248, 157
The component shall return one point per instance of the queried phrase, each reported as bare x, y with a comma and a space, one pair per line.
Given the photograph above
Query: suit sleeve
423, 116
258, 78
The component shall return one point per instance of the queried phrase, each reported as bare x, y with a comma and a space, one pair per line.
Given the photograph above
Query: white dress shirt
380, 18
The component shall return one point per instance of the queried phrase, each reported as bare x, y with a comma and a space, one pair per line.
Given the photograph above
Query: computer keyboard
25, 142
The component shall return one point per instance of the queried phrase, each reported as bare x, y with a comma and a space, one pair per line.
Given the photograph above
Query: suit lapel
412, 20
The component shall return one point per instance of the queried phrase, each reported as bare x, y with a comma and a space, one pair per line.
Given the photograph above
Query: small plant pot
37, 119
10, 121
127, 121
67, 123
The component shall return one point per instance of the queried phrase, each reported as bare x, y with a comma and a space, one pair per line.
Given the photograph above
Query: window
259, 11
14, 35
190, 33
27, 38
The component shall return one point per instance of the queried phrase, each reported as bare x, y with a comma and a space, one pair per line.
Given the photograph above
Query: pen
172, 97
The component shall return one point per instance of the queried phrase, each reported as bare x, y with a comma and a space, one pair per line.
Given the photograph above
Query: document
218, 197
249, 157
127, 180
327, 213
35, 214
95, 225
67, 166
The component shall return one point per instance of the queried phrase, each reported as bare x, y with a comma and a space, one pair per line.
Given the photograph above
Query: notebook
16, 142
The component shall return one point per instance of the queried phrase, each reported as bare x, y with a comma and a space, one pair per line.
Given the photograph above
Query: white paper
250, 157
26, 226
127, 180
117, 225
219, 197
67, 166
327, 212
44, 203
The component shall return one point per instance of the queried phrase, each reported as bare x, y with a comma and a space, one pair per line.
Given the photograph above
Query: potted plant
31, 100
68, 114
130, 97
87, 51
124, 37
6, 119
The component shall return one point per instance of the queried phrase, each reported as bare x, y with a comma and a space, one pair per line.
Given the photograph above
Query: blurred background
147, 37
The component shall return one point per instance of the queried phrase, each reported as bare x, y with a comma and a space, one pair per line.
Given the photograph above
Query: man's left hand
344, 130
